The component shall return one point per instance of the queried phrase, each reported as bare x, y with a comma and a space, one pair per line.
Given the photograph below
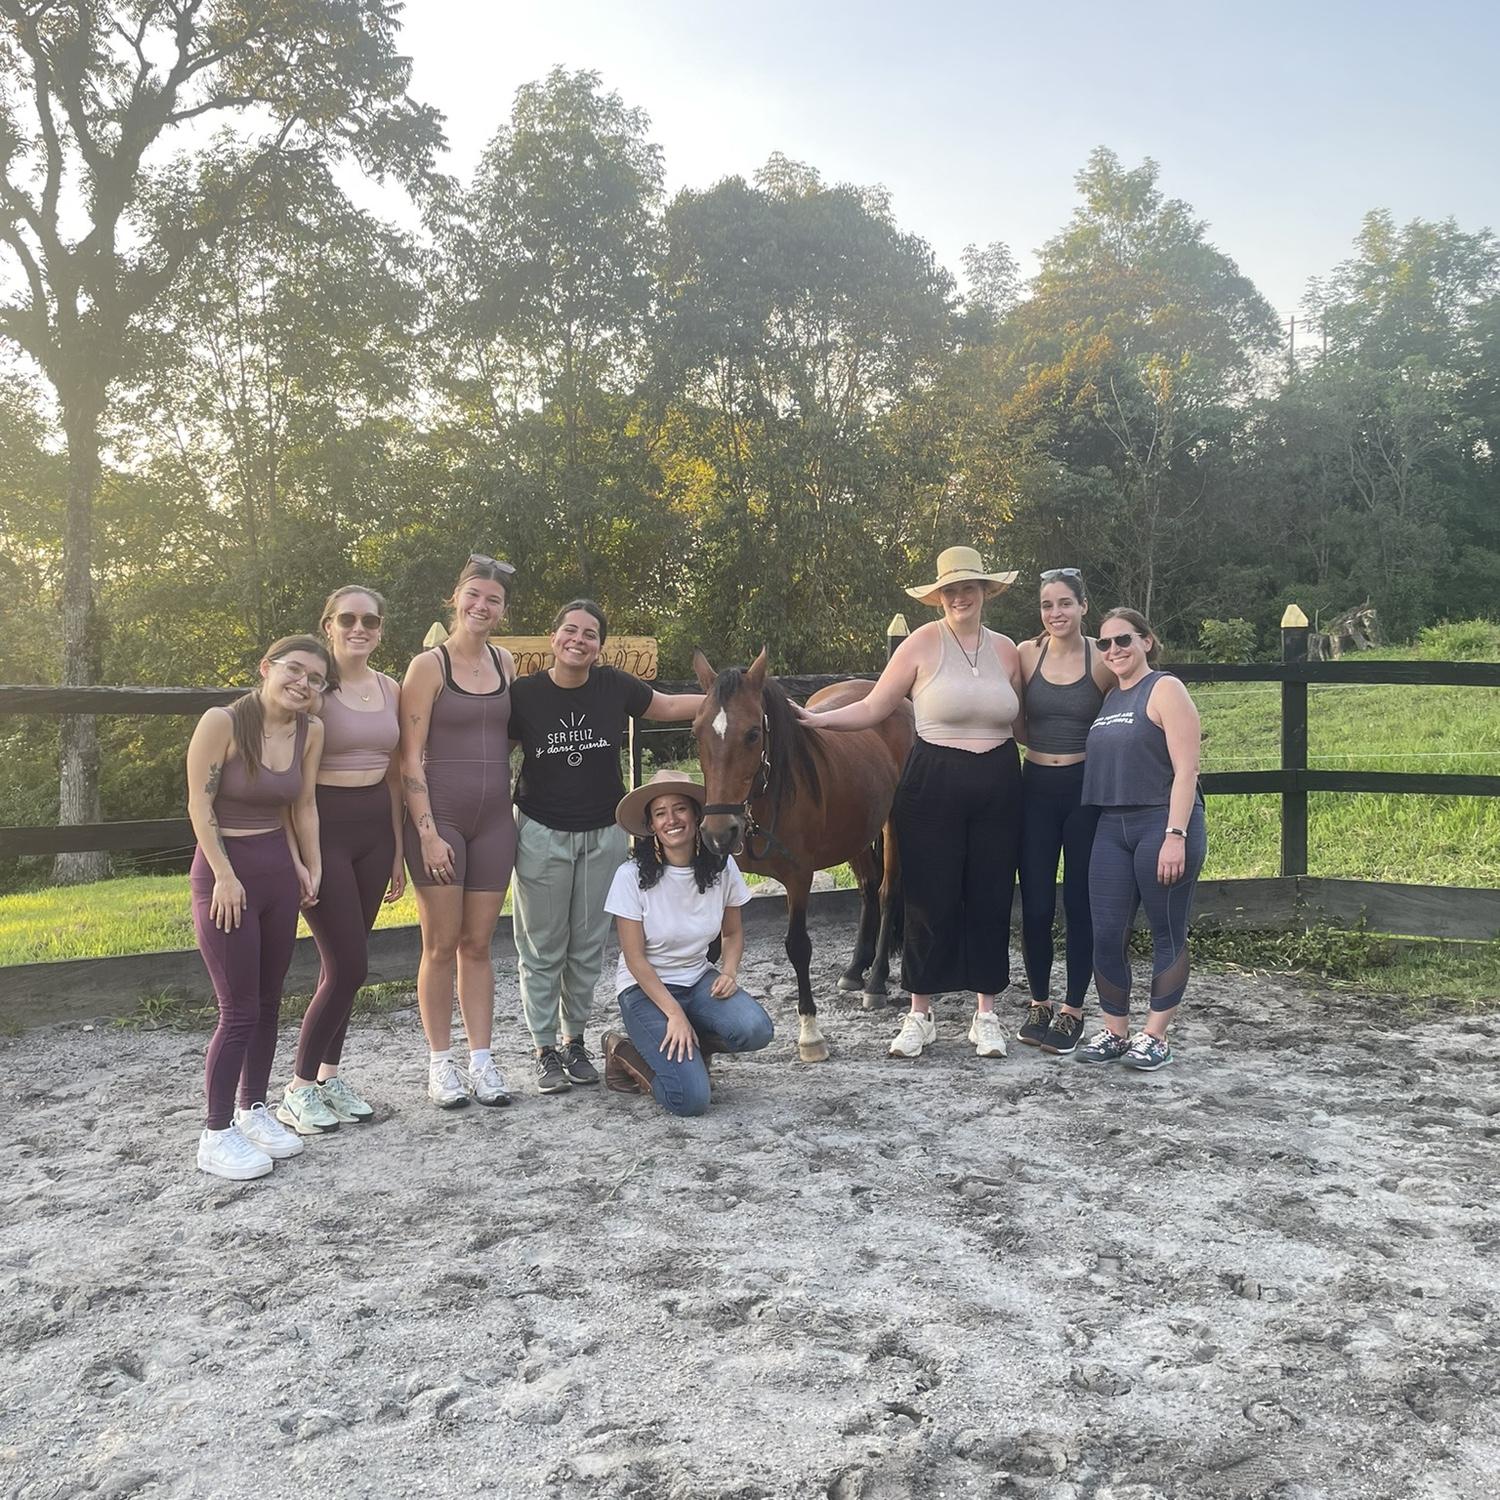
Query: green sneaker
304, 1110
343, 1100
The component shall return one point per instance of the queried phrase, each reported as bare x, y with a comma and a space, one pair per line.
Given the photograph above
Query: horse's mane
795, 752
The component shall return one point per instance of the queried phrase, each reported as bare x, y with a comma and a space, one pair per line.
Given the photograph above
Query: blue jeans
739, 1022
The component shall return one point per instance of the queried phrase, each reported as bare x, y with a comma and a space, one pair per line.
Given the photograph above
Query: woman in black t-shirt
571, 721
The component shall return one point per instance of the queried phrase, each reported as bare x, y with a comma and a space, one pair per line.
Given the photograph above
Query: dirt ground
1265, 1271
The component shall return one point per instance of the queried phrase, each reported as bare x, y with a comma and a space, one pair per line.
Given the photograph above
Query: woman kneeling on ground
670, 900
1141, 771
252, 769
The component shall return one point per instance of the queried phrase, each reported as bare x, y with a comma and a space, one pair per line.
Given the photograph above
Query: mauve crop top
355, 741
963, 702
253, 803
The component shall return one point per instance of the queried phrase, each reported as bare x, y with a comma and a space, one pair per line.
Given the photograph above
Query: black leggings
958, 825
359, 851
1122, 876
1055, 823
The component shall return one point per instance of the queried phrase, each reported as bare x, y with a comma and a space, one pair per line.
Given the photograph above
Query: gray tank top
1058, 715
1127, 764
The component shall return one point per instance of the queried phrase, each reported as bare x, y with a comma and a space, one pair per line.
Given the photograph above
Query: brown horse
796, 799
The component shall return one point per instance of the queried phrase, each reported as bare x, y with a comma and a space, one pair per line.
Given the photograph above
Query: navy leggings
1056, 823
1122, 877
248, 967
359, 851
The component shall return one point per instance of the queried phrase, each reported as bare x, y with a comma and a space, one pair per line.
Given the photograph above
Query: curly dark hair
707, 866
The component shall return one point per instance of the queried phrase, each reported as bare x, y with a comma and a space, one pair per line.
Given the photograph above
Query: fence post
1294, 631
633, 738
895, 633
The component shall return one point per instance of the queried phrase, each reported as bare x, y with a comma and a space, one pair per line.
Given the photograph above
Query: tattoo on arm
424, 822
215, 776
414, 784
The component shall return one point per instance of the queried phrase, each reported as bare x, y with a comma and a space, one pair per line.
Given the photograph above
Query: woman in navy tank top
1142, 775
251, 770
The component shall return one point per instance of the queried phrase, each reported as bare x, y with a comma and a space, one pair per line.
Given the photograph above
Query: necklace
973, 661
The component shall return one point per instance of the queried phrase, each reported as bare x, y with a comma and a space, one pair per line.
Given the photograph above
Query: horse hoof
848, 983
874, 1001
812, 1052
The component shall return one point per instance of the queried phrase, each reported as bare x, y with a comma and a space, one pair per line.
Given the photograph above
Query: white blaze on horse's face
721, 723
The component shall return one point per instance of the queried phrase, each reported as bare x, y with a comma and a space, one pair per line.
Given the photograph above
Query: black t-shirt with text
570, 745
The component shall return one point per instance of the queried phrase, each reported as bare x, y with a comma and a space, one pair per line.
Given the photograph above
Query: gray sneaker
577, 1063
1104, 1047
1148, 1053
551, 1074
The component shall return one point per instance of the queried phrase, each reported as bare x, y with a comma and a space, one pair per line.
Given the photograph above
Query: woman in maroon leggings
359, 822
251, 774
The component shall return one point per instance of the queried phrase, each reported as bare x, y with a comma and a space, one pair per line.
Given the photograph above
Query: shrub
1227, 641
1460, 640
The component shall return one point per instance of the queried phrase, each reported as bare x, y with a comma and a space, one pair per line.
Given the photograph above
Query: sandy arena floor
1266, 1271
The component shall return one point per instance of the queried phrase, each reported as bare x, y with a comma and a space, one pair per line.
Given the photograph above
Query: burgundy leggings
248, 967
359, 849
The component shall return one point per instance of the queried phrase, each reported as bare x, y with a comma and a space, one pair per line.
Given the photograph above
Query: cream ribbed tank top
957, 703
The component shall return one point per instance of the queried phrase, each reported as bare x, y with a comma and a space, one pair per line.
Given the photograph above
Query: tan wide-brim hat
632, 814
961, 565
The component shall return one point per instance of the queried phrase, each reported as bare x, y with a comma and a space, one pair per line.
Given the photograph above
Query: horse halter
759, 785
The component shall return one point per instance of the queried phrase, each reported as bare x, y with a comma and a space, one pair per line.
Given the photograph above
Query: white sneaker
226, 1153
446, 1086
917, 1031
985, 1033
488, 1085
261, 1128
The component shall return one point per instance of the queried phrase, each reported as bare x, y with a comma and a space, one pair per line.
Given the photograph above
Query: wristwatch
1180, 832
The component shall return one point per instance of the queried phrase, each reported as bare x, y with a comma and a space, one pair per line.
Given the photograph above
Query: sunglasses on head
492, 562
348, 620
1122, 641
1051, 575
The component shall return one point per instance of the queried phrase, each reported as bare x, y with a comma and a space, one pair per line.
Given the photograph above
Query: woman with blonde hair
251, 770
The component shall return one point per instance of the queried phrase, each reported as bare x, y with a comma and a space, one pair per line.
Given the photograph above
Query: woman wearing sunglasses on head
251, 770
460, 833
1141, 772
1066, 681
359, 821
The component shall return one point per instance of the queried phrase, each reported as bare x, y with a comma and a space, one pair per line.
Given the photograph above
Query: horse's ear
704, 672
755, 675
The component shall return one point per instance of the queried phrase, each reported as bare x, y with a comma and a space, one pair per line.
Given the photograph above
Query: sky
1281, 124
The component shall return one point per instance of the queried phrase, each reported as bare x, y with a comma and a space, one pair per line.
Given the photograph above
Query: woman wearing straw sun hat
958, 807
670, 900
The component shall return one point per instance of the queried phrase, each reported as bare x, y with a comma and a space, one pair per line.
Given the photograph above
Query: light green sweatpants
561, 881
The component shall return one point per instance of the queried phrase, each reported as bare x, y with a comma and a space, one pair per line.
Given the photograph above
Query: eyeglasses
492, 562
1122, 641
348, 620
298, 673
1051, 575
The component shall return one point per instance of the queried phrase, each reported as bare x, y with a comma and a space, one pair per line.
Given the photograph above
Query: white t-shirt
680, 921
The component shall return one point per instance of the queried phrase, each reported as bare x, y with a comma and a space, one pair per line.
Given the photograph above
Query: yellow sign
635, 654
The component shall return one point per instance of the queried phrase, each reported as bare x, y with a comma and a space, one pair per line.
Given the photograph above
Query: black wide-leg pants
958, 823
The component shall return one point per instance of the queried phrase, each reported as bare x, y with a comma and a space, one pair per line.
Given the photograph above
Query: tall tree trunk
78, 782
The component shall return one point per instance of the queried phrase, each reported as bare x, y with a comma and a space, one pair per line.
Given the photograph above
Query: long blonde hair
249, 712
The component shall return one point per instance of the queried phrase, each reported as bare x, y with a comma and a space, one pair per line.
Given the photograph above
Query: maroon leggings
248, 967
359, 849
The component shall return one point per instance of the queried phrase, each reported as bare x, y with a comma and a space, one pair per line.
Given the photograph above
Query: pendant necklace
973, 661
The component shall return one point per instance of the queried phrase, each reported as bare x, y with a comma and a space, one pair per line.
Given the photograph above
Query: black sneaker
576, 1064
551, 1073
1064, 1036
1038, 1023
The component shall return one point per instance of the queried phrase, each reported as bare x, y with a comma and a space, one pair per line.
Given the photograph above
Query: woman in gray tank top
1142, 775
1066, 681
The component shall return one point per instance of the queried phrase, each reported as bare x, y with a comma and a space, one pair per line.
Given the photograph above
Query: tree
91, 98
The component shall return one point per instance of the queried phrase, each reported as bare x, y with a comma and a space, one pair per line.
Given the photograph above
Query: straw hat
632, 812
960, 565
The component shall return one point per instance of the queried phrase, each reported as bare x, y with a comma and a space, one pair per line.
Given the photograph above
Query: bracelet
1180, 832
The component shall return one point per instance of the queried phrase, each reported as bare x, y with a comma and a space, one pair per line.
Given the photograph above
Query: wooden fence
1291, 897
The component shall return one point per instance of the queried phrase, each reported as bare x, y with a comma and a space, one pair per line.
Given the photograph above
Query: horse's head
731, 733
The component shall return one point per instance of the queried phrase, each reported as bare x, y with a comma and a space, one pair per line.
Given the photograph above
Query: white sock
479, 1057
439, 1058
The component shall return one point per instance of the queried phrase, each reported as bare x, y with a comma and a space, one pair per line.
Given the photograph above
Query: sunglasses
348, 620
1122, 641
298, 673
492, 562
1051, 575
